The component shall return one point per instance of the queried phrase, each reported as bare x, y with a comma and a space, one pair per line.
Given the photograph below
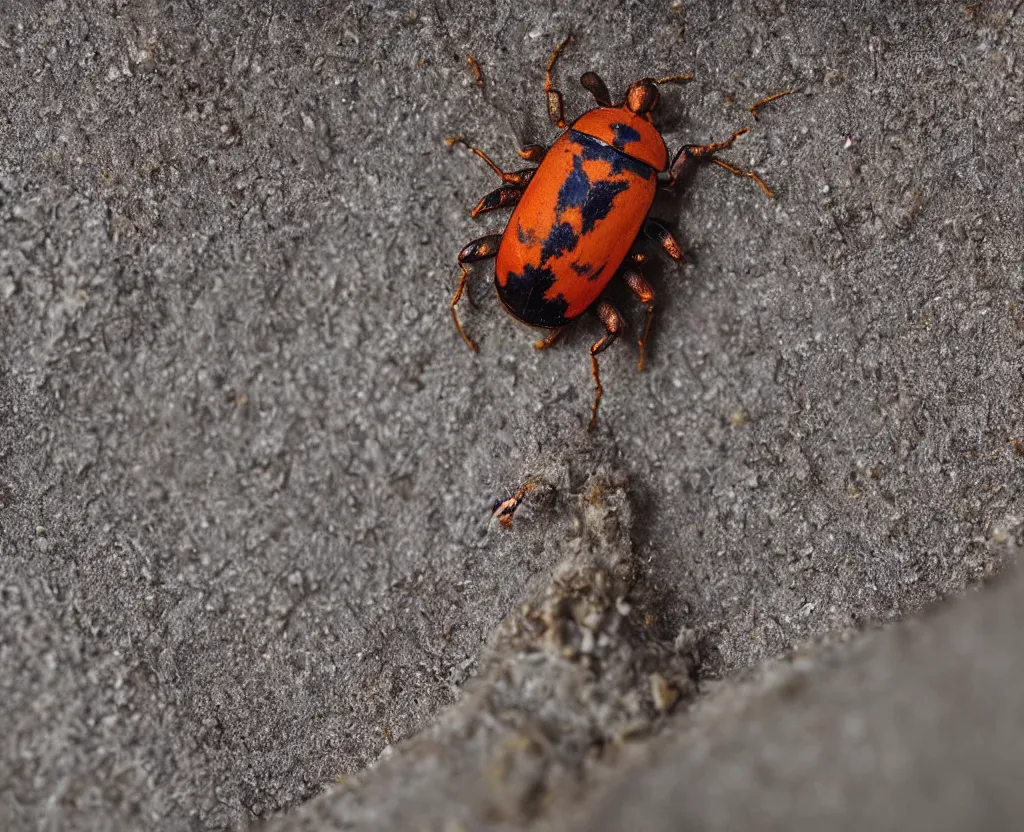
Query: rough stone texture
574, 674
914, 728
918, 728
245, 462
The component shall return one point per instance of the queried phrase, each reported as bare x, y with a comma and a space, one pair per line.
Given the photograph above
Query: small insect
578, 214
504, 510
478, 75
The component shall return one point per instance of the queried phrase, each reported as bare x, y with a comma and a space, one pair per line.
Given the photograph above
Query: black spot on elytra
523, 294
526, 236
599, 274
561, 239
599, 202
575, 188
594, 199
623, 134
582, 269
595, 149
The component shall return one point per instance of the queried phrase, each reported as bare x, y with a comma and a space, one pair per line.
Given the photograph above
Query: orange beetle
577, 216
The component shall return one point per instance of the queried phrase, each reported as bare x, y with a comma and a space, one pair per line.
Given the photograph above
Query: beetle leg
768, 192
697, 152
556, 106
499, 198
674, 79
691, 153
645, 294
593, 84
613, 325
516, 177
533, 153
758, 104
548, 339
479, 249
663, 237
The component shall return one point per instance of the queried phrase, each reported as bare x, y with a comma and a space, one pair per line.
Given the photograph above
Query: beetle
577, 216
504, 510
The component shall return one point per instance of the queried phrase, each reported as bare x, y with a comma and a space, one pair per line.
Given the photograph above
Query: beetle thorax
626, 131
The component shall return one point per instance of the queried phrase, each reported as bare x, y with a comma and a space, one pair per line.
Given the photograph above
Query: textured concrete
919, 728
576, 672
246, 463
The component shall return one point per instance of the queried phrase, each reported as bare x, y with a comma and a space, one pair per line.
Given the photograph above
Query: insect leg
533, 153
479, 249
499, 198
556, 106
517, 178
593, 84
663, 237
645, 294
549, 339
768, 192
691, 153
613, 325
768, 100
674, 79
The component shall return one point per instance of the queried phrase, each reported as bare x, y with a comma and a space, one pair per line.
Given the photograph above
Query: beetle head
642, 96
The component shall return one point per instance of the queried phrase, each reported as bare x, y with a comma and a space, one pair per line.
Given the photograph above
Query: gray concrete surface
917, 728
575, 672
245, 462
